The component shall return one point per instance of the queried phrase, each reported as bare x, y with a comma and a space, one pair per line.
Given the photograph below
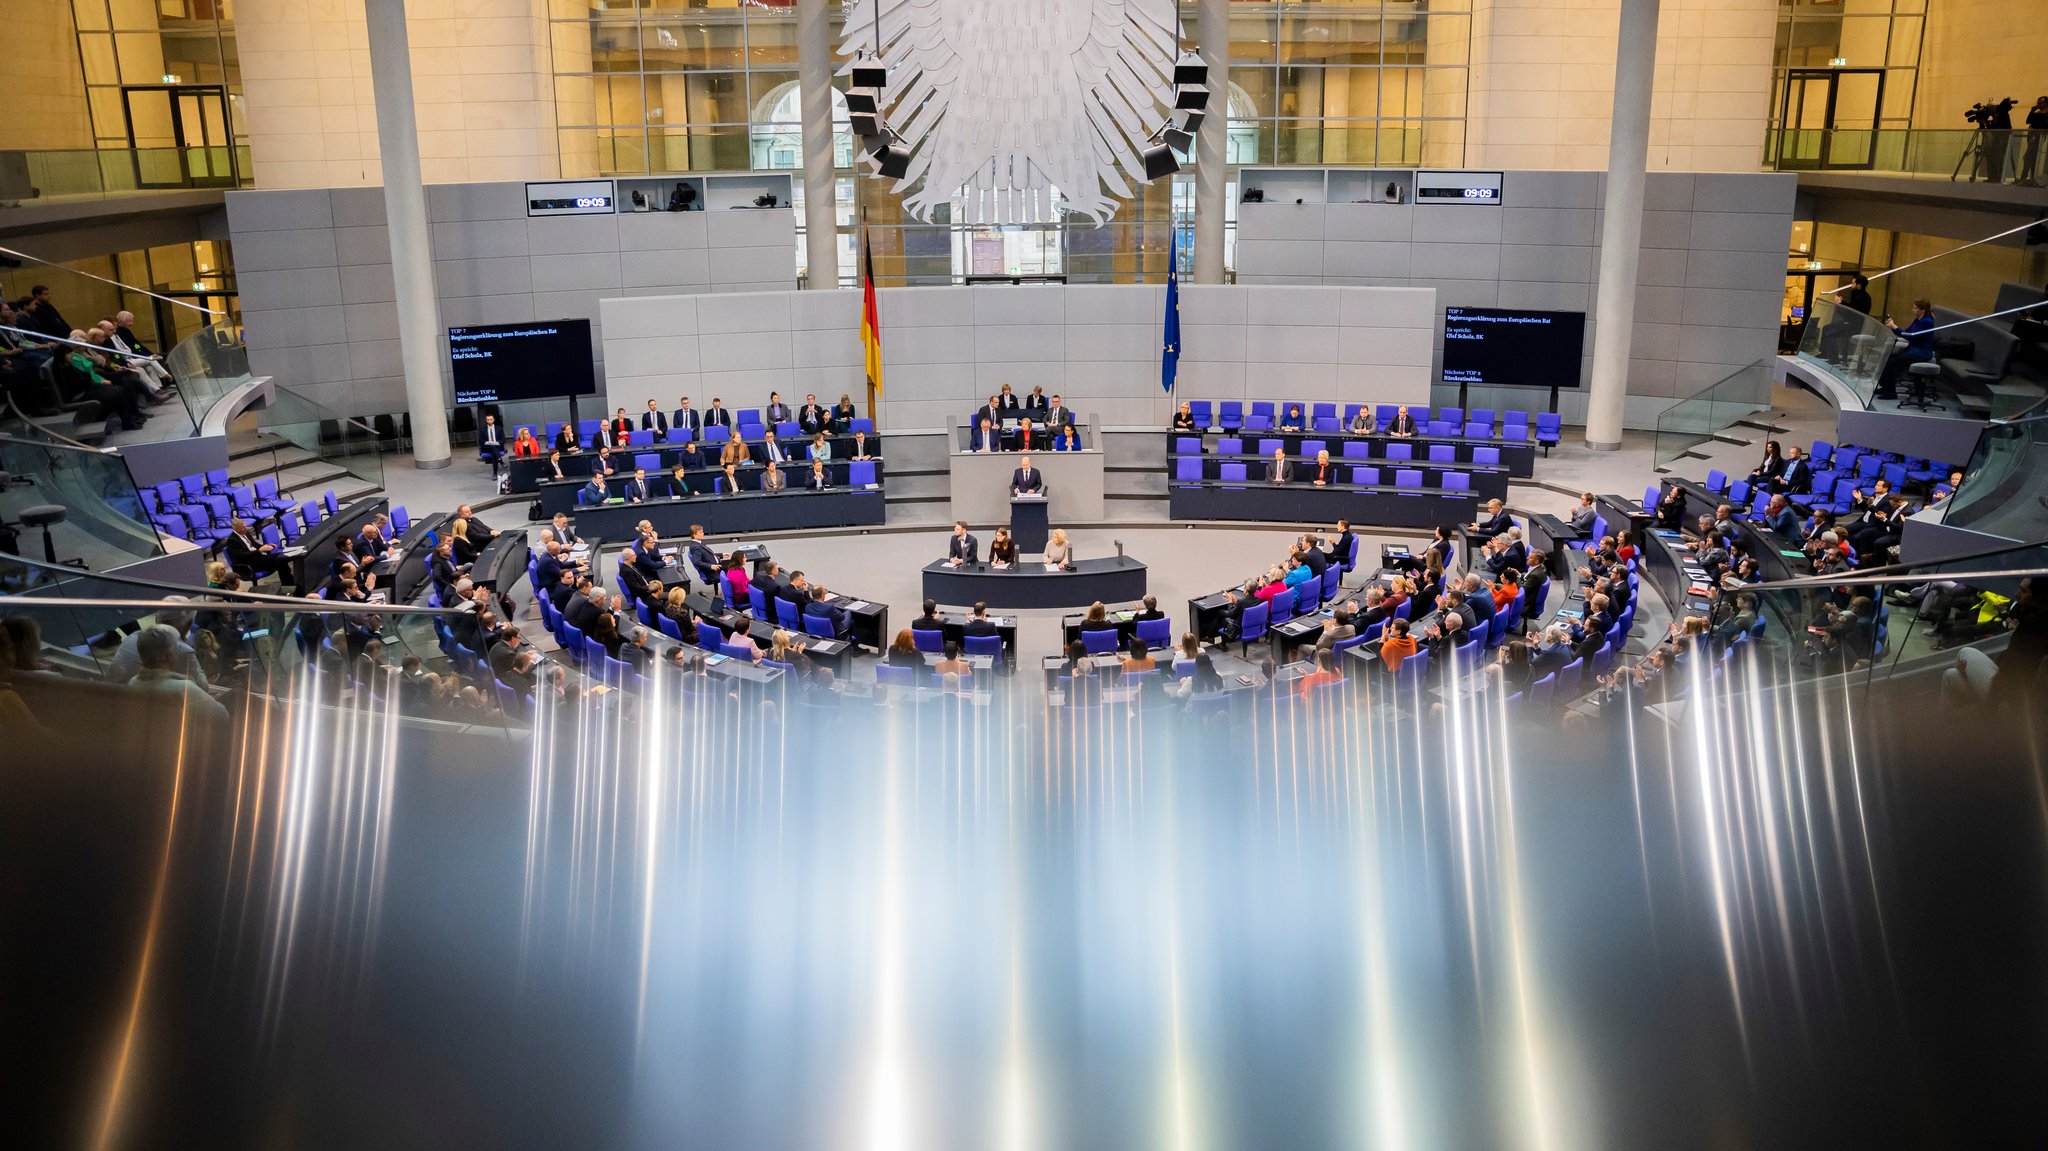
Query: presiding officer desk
1302, 502
1029, 585
735, 514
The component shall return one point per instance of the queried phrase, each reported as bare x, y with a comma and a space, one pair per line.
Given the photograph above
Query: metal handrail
253, 599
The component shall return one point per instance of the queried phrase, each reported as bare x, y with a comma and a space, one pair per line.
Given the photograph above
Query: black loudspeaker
1190, 70
870, 76
1195, 96
1159, 161
1179, 141
1188, 120
889, 161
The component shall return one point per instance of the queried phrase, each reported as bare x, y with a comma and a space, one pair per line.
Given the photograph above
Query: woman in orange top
1397, 646
1505, 591
1325, 672
525, 445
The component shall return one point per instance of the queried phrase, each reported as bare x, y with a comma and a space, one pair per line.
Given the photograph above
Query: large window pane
771, 40
693, 45
717, 98
614, 47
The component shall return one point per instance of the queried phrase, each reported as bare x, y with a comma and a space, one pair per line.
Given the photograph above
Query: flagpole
866, 258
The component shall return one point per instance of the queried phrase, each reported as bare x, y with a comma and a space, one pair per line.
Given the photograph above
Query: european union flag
1169, 351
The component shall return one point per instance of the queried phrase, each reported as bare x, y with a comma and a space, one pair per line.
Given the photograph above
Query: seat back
1442, 454
1385, 413
819, 626
861, 424
1327, 424
311, 513
1280, 608
1323, 411
1478, 431
1407, 478
1400, 451
1231, 414
1187, 445
1252, 624
1188, 469
1357, 449
1369, 477
785, 614
1309, 448
1457, 482
651, 461
786, 429
1717, 481
1268, 447
1258, 423
1738, 494
1263, 408
1201, 411
860, 473
1157, 633
1229, 446
984, 645
734, 650
757, 600
1333, 578
1100, 641
1441, 428
1230, 472
891, 675
669, 628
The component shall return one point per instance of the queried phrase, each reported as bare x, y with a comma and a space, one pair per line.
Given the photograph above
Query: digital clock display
1460, 193
1458, 187
572, 198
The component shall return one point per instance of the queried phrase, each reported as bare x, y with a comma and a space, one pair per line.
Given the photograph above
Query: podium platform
1030, 524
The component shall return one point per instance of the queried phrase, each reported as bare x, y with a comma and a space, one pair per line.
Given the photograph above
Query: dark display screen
1496, 347
533, 361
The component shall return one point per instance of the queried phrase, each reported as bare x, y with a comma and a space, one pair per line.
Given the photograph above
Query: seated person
594, 492
1671, 508
1363, 421
820, 478
985, 438
1322, 472
1184, 419
678, 482
1796, 477
637, 489
1069, 440
1002, 550
952, 664
772, 479
1403, 424
1097, 618
525, 444
1325, 672
1919, 349
1140, 658
1279, 471
1772, 467
604, 464
843, 414
565, 439
1291, 421
730, 480
978, 623
821, 605
1148, 610
1494, 522
1057, 553
903, 651
771, 448
821, 448
735, 451
929, 620
962, 549
1028, 437
553, 470
860, 447
1396, 645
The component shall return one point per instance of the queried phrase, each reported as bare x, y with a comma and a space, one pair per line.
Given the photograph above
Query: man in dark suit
702, 558
655, 420
812, 417
253, 558
593, 493
549, 570
371, 545
716, 416
820, 605
1149, 610
776, 412
563, 531
1279, 471
979, 623
1057, 414
1313, 557
1026, 480
1342, 544
1796, 477
1402, 424
582, 610
985, 437
961, 549
992, 411
820, 478
1495, 521
636, 488
617, 432
686, 421
504, 654
490, 441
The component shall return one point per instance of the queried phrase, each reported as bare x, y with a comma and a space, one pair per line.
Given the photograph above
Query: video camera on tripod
1997, 117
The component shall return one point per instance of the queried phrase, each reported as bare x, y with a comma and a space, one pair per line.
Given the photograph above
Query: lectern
1028, 524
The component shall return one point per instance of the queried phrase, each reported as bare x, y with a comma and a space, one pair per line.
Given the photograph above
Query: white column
1211, 143
405, 211
1621, 232
814, 91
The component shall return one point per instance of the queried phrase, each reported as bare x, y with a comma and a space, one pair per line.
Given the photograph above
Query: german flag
870, 321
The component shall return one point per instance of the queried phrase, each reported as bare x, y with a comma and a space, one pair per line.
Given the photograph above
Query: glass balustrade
98, 519
99, 172
1699, 418
1848, 345
348, 442
2005, 487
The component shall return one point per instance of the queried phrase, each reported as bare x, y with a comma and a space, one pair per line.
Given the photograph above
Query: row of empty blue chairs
1478, 423
1189, 470
1838, 472
201, 508
1478, 455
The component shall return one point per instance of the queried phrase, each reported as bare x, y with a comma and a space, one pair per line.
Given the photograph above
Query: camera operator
2037, 129
1994, 129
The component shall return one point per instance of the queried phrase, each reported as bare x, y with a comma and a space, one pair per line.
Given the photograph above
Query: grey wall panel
586, 271
1550, 263
371, 321
297, 248
569, 235
491, 276
1664, 192
1521, 225
497, 201
278, 211
1455, 224
679, 269
662, 231
366, 244
1576, 297
356, 207
367, 283
477, 239
291, 288
1456, 261
1366, 223
1282, 221
1366, 259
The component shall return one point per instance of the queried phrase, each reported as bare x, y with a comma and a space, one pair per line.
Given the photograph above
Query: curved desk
1031, 586
1302, 503
736, 514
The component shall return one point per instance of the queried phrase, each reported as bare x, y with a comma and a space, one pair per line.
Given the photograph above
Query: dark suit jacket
621, 429
1063, 416
548, 570
580, 613
1342, 547
1401, 425
1280, 473
241, 552
1797, 476
637, 491
702, 558
963, 548
717, 418
655, 421
1027, 481
979, 627
841, 621
1317, 562
687, 421
813, 418
1494, 525
565, 439
994, 441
